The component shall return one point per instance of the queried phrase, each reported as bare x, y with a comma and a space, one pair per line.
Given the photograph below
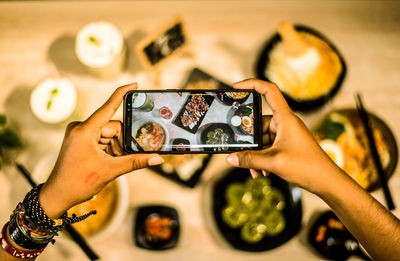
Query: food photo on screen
192, 121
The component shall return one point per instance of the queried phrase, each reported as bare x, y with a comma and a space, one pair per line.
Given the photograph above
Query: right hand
291, 151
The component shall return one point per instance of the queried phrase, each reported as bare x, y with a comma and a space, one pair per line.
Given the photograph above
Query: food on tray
195, 109
237, 95
104, 203
255, 207
150, 136
342, 136
158, 228
100, 47
202, 85
54, 100
303, 65
218, 137
183, 165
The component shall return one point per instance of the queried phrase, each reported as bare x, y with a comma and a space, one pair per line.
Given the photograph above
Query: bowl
43, 169
299, 104
54, 100
330, 238
211, 127
138, 123
291, 210
156, 227
350, 116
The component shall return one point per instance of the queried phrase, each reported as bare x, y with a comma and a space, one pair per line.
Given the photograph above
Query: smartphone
191, 121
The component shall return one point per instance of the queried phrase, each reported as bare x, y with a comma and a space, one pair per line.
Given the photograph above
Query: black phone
191, 121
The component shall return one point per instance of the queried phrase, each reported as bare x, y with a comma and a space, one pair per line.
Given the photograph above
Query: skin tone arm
292, 153
91, 156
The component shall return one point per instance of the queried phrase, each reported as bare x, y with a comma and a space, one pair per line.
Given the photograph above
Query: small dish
331, 239
156, 227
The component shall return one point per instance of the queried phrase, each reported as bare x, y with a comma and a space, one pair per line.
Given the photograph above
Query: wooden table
37, 38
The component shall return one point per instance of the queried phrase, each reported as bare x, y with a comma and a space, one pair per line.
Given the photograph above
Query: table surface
37, 39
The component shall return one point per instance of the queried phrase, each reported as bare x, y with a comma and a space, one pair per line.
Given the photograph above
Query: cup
142, 102
101, 49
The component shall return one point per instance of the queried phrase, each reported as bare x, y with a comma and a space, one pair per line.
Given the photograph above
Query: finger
116, 148
127, 163
107, 111
105, 141
255, 173
267, 140
266, 120
111, 129
271, 92
262, 159
265, 173
103, 147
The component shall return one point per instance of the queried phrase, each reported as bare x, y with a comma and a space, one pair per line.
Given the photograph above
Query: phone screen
192, 121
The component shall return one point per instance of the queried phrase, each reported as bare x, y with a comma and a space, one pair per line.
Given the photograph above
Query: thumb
261, 160
128, 163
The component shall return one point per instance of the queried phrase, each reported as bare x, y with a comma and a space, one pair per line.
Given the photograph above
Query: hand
90, 157
291, 151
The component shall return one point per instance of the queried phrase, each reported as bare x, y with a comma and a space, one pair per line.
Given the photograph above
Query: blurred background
41, 51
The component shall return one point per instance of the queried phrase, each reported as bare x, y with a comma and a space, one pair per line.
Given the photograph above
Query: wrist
52, 203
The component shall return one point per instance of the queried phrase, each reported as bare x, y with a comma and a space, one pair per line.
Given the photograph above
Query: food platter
299, 104
193, 112
292, 212
200, 80
384, 138
173, 175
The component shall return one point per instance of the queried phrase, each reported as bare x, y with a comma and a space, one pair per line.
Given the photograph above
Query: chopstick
78, 238
374, 151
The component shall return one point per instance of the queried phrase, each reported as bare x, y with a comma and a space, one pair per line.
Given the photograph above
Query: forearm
377, 229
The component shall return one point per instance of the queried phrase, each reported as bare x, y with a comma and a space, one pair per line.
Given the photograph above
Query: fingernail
155, 161
233, 160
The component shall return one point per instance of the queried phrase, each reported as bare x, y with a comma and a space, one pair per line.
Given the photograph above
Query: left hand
90, 157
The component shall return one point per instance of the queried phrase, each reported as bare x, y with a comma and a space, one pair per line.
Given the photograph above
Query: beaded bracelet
31, 228
38, 220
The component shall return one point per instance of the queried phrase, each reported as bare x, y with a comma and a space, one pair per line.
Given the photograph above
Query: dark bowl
292, 212
228, 100
140, 228
212, 126
334, 242
386, 133
297, 104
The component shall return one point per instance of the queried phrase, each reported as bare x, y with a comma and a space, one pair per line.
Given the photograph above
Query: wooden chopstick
374, 152
75, 235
